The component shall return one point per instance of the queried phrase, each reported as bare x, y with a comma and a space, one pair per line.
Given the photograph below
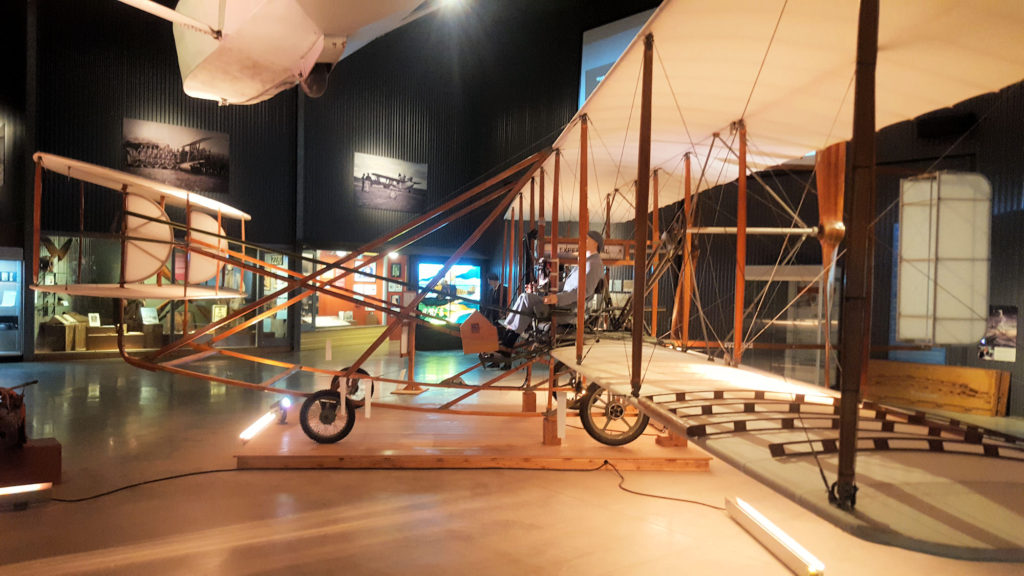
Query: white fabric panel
914, 329
953, 266
916, 270
144, 258
915, 294
202, 268
932, 54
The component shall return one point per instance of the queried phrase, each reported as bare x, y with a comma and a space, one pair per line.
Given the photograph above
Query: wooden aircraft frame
202, 343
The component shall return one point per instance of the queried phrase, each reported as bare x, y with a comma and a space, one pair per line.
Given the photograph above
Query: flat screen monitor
461, 281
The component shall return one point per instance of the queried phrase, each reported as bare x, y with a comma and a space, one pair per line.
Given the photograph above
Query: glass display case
64, 322
11, 282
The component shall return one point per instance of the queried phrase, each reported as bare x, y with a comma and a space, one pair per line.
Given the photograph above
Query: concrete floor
119, 426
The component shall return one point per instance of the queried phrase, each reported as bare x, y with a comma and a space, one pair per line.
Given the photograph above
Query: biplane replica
709, 94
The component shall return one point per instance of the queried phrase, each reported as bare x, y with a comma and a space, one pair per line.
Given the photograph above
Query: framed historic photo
181, 156
396, 269
389, 183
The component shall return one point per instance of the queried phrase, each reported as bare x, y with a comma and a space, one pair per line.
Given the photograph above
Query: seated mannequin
529, 306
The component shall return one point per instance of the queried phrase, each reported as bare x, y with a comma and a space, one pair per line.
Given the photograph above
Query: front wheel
609, 418
355, 391
323, 417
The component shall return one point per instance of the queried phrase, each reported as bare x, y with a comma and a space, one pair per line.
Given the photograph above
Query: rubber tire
320, 399
587, 406
352, 386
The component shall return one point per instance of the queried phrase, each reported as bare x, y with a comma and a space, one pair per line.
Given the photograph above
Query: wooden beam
655, 244
512, 256
741, 249
554, 222
503, 263
533, 204
520, 272
643, 179
856, 329
581, 257
681, 308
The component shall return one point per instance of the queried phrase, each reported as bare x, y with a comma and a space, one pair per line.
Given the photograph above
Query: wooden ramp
399, 439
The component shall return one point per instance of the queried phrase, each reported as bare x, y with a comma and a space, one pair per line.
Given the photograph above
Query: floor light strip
24, 488
19, 497
258, 426
782, 545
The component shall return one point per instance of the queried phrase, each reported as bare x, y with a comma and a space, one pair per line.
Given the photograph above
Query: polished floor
121, 426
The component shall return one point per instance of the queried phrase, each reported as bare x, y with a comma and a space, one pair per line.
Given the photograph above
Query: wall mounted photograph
177, 155
388, 183
1000, 341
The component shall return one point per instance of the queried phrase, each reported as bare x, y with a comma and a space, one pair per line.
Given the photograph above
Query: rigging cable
764, 59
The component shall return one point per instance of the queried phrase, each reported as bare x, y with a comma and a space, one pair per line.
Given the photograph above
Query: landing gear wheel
355, 391
609, 418
573, 398
322, 419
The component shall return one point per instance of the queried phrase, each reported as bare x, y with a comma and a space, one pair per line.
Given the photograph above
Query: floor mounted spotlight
283, 405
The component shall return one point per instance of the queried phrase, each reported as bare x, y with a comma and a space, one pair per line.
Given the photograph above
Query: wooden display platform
396, 439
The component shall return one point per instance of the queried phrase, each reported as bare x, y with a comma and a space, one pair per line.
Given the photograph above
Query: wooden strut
581, 256
640, 226
554, 221
37, 196
124, 232
520, 273
655, 246
503, 265
688, 262
533, 204
81, 226
856, 331
741, 248
514, 281
540, 254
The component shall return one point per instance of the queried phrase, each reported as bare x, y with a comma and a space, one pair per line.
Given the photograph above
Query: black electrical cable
142, 483
369, 468
622, 480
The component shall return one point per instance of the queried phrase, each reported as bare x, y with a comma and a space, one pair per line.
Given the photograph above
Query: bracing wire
764, 59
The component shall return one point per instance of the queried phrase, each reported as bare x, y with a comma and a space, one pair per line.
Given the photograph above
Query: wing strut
856, 331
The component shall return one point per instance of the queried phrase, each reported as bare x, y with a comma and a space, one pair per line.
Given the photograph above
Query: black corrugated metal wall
465, 93
12, 117
102, 62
